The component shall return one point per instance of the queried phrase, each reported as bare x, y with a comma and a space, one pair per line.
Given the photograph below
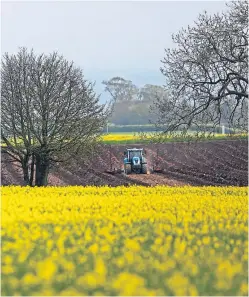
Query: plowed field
203, 163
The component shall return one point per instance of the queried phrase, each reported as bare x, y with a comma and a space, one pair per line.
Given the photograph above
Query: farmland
78, 241
185, 236
214, 163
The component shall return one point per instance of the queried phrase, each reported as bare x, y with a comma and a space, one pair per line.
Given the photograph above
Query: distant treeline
132, 105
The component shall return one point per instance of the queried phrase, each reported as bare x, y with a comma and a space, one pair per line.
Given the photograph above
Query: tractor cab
135, 161
131, 153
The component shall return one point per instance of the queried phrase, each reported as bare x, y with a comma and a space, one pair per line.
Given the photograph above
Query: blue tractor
135, 162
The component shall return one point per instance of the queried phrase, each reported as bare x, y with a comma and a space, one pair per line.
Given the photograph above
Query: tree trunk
42, 169
31, 179
25, 169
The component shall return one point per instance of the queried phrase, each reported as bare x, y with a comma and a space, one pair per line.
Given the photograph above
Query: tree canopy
206, 73
48, 110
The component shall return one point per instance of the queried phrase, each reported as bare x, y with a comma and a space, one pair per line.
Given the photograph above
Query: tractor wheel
128, 168
144, 168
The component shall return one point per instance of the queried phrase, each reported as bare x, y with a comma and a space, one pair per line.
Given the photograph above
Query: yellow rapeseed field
120, 137
76, 241
132, 137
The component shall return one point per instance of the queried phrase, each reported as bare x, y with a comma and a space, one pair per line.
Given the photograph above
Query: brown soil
202, 163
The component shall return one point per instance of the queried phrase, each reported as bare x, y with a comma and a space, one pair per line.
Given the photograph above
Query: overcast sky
105, 38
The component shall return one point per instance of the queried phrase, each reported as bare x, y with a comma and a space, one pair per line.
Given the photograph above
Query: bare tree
207, 73
48, 111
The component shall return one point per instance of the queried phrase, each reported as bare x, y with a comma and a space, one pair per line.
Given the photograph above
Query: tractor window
135, 154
